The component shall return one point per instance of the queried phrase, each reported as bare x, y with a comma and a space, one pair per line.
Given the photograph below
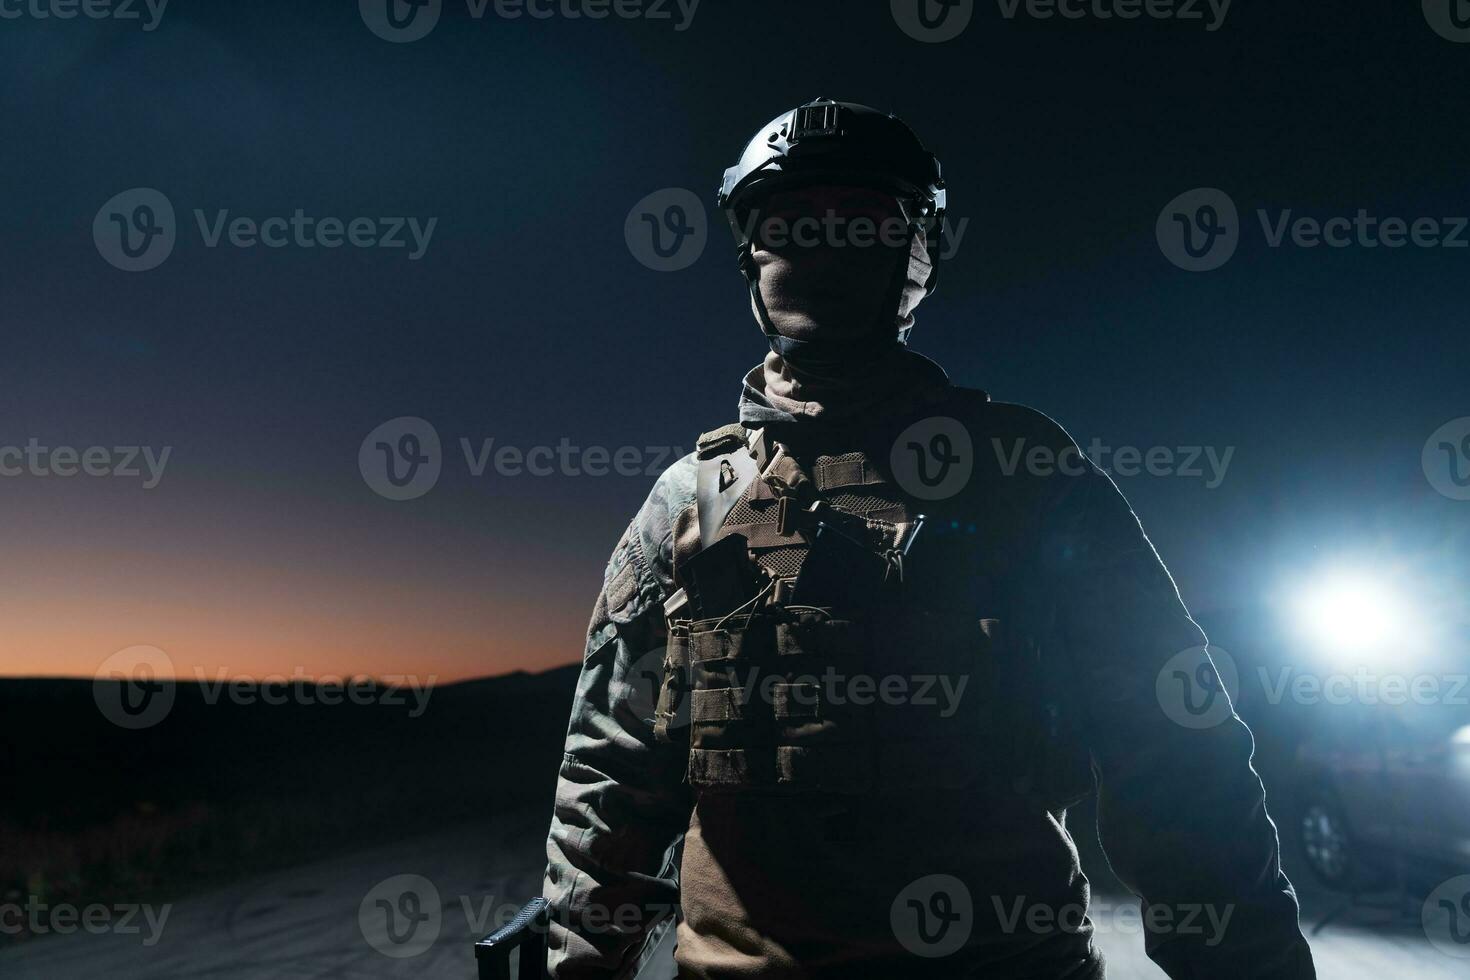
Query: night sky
528, 319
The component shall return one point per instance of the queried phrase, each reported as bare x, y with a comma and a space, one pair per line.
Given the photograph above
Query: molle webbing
786, 698
773, 703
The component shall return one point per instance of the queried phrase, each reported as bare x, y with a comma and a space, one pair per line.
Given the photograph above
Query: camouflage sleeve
1181, 812
621, 803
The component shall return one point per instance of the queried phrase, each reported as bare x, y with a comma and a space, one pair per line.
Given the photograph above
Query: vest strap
726, 468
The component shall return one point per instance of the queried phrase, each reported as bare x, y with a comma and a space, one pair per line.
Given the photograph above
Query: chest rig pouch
801, 658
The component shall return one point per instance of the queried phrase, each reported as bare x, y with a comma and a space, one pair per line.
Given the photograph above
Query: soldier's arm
621, 803
1181, 812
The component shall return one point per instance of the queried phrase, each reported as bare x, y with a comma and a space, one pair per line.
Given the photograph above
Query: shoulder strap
726, 467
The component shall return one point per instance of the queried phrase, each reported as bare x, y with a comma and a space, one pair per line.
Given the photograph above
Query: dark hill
226, 783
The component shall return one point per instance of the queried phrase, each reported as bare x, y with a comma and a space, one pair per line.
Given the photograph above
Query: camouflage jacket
1181, 811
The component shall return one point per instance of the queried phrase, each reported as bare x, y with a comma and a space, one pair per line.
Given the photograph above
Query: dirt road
346, 918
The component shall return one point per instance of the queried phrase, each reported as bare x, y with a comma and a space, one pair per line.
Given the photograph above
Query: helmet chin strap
818, 359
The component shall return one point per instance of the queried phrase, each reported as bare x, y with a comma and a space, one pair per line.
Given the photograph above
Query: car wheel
1326, 841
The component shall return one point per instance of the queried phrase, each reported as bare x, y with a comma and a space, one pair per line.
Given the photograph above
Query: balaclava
834, 308
836, 318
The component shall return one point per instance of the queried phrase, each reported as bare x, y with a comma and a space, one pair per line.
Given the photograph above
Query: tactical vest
807, 652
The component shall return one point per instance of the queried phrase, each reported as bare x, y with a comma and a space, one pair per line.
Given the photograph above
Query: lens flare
1354, 612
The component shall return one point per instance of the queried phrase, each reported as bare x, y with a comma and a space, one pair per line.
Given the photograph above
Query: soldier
888, 658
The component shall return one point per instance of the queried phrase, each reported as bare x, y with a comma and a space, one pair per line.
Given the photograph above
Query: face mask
830, 317
831, 304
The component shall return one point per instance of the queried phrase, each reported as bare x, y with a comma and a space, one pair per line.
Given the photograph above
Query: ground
307, 923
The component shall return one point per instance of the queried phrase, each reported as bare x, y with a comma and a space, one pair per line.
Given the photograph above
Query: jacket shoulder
672, 494
1009, 420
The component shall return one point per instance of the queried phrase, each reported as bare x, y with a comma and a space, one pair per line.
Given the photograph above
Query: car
1384, 793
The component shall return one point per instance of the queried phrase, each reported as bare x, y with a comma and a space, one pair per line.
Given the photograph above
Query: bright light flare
1354, 613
